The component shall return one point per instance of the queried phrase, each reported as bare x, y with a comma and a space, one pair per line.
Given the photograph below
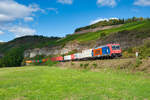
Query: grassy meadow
53, 83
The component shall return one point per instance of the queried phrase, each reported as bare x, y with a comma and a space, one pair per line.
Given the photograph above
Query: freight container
76, 56
97, 52
101, 51
59, 58
105, 51
87, 53
53, 59
68, 57
30, 61
80, 56
72, 57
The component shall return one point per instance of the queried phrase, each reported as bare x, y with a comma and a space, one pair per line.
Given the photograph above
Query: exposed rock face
42, 51
97, 29
56, 50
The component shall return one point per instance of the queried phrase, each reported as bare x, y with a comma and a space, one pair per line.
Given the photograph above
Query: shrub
95, 65
138, 62
86, 65
81, 65
72, 63
23, 63
102, 35
12, 58
126, 54
51, 63
144, 51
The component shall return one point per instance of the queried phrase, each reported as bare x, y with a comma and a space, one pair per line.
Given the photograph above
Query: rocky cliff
57, 50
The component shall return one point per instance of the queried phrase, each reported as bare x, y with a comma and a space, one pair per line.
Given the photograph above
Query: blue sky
61, 17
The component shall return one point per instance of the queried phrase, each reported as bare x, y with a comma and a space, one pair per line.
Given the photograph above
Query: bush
86, 65
81, 65
138, 62
102, 35
126, 54
51, 63
12, 58
95, 65
72, 63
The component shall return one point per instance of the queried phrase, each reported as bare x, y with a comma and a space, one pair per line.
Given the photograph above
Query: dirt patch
97, 29
145, 66
20, 98
128, 63
99, 63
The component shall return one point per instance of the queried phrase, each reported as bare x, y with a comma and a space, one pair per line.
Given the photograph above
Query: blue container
105, 51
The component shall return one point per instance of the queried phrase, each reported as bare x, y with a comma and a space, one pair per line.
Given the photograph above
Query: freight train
102, 52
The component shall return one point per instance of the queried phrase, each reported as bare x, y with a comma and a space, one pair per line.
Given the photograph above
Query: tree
13, 58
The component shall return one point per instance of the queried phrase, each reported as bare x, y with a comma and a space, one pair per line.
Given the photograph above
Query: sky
61, 17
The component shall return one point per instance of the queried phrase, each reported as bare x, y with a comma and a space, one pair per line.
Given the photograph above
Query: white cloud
10, 10
21, 31
98, 20
53, 9
111, 3
114, 18
142, 2
27, 19
65, 1
101, 19
5, 18
1, 32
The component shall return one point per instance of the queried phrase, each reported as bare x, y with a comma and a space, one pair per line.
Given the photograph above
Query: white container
68, 57
80, 55
87, 53
76, 56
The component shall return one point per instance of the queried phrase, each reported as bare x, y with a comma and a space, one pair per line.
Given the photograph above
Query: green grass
141, 25
97, 35
51, 83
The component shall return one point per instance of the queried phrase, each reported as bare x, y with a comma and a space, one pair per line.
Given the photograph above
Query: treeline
112, 22
13, 51
13, 58
29, 42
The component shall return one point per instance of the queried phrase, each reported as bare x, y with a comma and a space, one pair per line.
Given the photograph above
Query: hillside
107, 24
28, 42
140, 26
130, 34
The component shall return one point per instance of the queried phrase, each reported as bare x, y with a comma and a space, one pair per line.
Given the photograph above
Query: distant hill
28, 42
140, 27
111, 22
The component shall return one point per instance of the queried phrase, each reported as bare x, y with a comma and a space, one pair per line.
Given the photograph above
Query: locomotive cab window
115, 47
